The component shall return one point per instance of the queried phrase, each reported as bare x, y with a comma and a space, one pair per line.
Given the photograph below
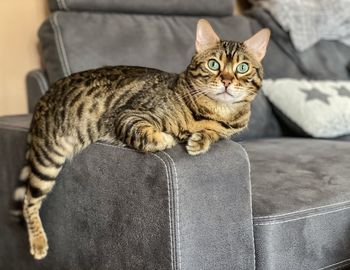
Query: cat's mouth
224, 93
227, 96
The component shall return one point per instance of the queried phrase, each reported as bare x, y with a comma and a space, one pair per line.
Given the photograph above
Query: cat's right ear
206, 37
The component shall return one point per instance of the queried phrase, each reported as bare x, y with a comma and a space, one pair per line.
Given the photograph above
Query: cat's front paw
39, 246
160, 142
197, 144
167, 141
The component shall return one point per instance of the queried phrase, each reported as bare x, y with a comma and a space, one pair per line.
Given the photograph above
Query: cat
146, 109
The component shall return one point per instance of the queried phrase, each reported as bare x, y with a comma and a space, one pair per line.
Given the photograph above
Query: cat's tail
19, 193
44, 160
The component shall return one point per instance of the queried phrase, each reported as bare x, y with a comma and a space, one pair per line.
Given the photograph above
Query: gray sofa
272, 201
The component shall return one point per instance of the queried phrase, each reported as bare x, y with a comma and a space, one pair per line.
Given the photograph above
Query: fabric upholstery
115, 208
344, 138
279, 61
301, 203
173, 7
99, 39
37, 85
263, 123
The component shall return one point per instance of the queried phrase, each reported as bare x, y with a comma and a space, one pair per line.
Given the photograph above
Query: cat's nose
226, 82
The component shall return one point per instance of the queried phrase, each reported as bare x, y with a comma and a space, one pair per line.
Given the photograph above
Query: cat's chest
221, 114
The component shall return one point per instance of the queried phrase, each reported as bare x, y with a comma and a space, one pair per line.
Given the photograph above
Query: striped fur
146, 109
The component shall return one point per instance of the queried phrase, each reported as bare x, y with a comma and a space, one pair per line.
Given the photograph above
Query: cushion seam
59, 4
41, 81
272, 222
177, 210
59, 44
170, 206
335, 264
9, 127
303, 211
250, 202
64, 5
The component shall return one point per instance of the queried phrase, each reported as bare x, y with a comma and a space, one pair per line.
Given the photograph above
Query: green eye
213, 64
242, 68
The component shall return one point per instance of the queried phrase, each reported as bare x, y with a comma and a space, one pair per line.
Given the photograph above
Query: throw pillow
319, 108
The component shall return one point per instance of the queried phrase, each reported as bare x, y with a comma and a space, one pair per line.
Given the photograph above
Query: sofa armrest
116, 208
37, 85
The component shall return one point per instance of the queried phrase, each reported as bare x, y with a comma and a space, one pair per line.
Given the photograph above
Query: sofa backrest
76, 41
81, 35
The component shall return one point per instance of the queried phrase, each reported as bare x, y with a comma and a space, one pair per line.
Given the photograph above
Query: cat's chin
225, 98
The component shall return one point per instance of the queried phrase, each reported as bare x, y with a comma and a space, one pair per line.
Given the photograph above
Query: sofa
265, 200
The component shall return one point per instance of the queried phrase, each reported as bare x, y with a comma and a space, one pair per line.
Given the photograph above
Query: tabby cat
146, 109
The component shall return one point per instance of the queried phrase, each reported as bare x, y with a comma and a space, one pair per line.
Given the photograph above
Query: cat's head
227, 71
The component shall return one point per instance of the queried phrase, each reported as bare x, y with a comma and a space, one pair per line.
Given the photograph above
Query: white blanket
309, 21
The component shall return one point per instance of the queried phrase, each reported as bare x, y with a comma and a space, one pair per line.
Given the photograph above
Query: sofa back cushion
165, 7
76, 41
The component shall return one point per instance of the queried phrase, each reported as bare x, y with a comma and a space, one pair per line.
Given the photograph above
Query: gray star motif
315, 94
342, 91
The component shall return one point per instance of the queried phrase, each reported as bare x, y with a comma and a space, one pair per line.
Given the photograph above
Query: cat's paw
166, 142
39, 246
161, 142
197, 144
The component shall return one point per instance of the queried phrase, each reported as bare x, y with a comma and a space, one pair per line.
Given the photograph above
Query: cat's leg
45, 161
199, 142
205, 133
142, 132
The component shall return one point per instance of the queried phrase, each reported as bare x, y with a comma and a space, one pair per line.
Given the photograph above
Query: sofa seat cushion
301, 203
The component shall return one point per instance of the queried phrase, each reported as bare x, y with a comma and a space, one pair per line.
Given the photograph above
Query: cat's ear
206, 37
257, 44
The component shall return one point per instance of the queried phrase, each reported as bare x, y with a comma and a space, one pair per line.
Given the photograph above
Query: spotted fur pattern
146, 109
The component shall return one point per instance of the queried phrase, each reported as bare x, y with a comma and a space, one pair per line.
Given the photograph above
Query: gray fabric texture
343, 138
326, 60
99, 39
301, 203
263, 122
169, 7
37, 85
213, 208
115, 208
13, 243
279, 61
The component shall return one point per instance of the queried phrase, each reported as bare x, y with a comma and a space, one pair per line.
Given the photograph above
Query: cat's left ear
257, 44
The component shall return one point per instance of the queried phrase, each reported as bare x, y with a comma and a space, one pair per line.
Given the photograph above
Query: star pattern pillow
319, 109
